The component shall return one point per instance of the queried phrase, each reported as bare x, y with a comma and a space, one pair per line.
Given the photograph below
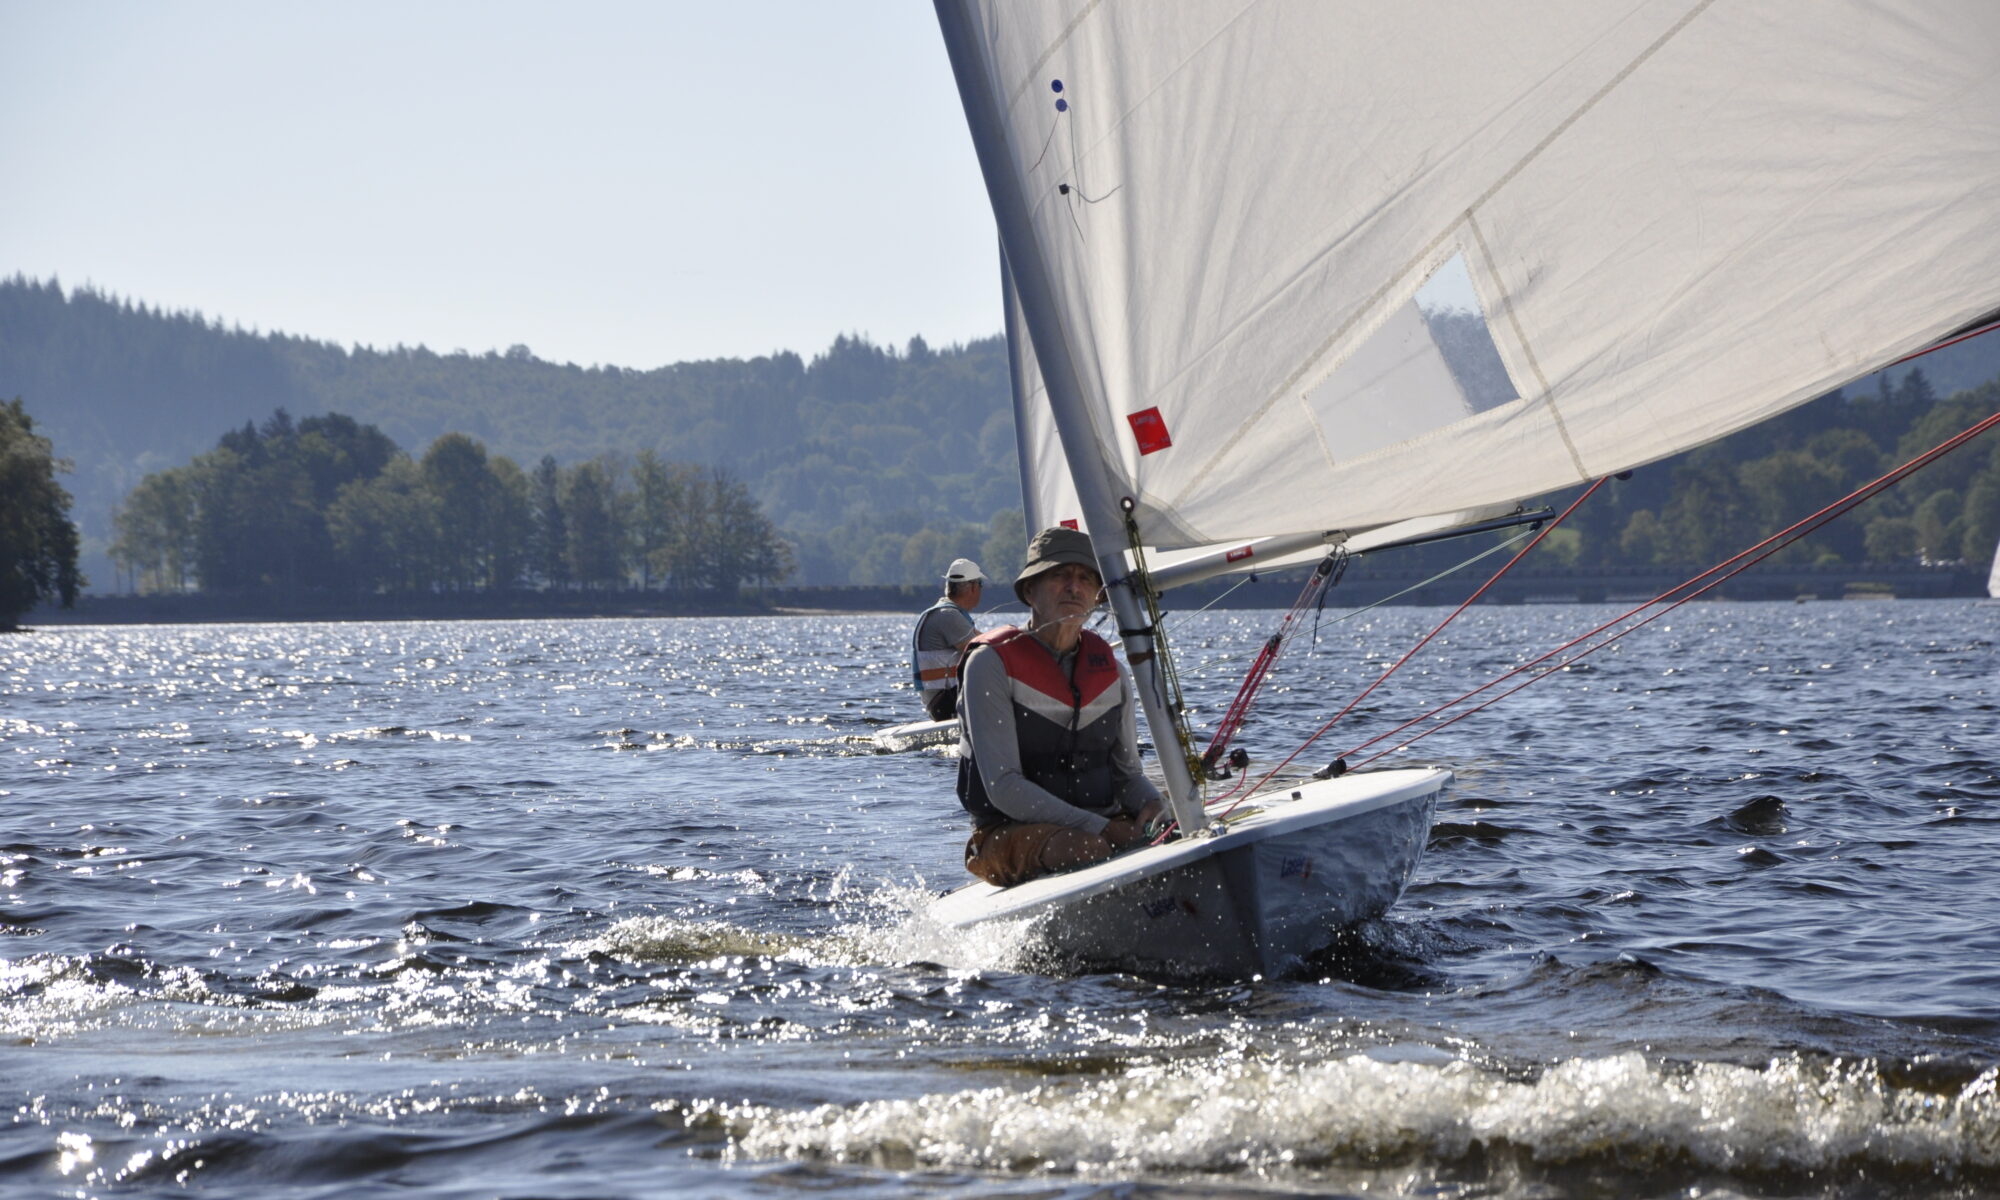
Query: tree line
329, 505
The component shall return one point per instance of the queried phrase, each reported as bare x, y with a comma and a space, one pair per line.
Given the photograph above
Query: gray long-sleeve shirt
987, 734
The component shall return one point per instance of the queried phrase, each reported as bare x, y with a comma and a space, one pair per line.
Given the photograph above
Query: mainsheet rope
1313, 595
1551, 527
1324, 576
1175, 618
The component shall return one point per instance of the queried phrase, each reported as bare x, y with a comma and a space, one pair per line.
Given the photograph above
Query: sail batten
1679, 219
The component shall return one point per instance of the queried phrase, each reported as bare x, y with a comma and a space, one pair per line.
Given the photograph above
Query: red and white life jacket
1068, 724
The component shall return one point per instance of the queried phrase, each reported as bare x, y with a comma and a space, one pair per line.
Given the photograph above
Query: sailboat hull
1254, 898
916, 735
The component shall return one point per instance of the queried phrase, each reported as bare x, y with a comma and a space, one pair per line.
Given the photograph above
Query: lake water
631, 907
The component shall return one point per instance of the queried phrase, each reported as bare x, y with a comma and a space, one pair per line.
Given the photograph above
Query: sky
604, 181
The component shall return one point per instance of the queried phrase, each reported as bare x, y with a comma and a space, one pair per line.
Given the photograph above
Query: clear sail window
1458, 325
1431, 364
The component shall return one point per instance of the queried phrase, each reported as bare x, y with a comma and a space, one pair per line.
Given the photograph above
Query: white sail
1993, 579
1049, 495
1678, 219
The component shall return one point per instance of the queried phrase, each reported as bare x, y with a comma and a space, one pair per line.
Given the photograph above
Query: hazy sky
604, 181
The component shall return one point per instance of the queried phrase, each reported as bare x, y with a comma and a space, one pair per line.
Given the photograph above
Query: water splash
1359, 1113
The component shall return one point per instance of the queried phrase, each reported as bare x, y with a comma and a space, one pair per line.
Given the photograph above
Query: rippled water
630, 907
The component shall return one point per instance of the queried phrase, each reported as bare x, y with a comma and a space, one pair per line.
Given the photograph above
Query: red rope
1963, 337
1411, 653
1239, 708
1743, 561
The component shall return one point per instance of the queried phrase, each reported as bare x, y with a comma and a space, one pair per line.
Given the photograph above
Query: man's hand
1123, 833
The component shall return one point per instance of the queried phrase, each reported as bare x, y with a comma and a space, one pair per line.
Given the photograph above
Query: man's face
1064, 593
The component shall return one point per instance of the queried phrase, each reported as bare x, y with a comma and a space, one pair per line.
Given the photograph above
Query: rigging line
1963, 337
1761, 551
1260, 669
1546, 530
1076, 169
1489, 552
1047, 141
1165, 617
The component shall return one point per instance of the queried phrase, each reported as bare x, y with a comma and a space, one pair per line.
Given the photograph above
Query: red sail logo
1151, 430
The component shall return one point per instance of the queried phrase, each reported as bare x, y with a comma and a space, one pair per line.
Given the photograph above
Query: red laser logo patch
1151, 430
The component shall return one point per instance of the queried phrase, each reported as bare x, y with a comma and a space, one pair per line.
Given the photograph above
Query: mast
1028, 267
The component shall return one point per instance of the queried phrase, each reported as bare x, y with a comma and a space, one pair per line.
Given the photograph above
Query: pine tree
590, 508
548, 544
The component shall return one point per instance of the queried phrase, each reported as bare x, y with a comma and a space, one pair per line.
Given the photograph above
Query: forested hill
880, 464
852, 454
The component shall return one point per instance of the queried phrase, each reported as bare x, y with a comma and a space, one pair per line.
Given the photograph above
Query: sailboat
1285, 277
1993, 579
915, 735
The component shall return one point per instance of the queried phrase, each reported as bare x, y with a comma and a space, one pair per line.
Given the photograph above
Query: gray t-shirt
943, 628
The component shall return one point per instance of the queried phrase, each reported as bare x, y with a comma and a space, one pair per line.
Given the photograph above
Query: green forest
878, 464
328, 505
870, 464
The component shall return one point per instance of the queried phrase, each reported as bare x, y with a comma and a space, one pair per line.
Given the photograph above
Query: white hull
916, 735
1254, 898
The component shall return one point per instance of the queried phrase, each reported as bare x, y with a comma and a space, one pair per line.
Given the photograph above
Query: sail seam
1319, 431
1596, 98
1034, 70
1527, 348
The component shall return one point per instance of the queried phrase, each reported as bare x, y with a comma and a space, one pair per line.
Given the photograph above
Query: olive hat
1056, 546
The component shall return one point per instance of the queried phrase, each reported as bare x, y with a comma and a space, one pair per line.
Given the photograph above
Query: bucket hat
1054, 547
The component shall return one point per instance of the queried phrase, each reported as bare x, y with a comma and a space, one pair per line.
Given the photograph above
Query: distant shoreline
1362, 586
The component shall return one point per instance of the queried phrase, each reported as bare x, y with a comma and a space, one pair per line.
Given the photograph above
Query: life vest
932, 670
1067, 725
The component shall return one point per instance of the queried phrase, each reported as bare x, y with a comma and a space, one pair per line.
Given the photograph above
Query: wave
1620, 1117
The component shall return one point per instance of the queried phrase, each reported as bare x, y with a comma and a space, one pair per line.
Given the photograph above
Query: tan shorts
1015, 852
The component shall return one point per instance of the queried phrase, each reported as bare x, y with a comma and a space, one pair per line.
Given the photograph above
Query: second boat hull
916, 735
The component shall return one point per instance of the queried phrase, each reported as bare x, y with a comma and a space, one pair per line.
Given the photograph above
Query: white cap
963, 570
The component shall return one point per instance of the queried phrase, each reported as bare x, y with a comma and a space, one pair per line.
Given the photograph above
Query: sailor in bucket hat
1049, 753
